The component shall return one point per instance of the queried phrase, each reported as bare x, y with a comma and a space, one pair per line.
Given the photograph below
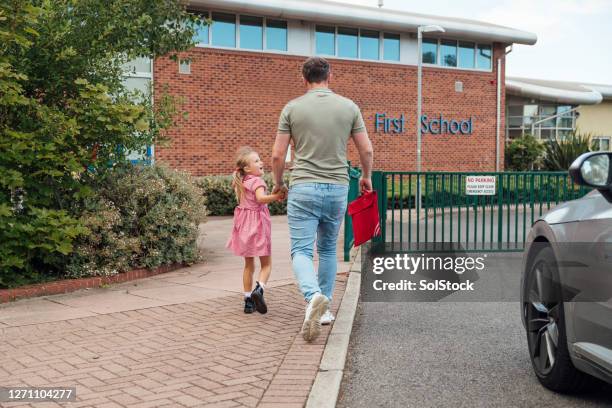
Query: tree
64, 111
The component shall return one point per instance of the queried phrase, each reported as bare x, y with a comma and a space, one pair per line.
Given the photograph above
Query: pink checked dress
252, 232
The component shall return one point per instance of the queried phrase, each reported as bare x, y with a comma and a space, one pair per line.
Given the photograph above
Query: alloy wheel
542, 315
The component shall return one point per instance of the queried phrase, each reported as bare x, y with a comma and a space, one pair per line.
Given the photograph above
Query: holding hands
280, 191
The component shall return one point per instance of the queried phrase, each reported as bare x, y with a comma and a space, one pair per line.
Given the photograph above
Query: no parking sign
480, 185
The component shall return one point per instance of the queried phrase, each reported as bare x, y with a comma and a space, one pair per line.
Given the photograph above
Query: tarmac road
446, 354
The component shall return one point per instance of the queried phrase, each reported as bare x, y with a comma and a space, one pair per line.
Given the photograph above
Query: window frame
208, 15
381, 48
599, 139
359, 57
236, 31
265, 36
263, 30
438, 63
149, 156
540, 105
335, 33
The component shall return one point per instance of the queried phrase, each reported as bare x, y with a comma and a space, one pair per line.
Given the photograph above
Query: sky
574, 36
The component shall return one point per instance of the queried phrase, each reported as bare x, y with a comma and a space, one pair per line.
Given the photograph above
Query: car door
592, 239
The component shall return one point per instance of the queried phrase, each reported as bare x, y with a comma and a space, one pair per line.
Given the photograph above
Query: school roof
371, 17
559, 91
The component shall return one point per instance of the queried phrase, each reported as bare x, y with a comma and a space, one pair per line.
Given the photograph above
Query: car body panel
580, 234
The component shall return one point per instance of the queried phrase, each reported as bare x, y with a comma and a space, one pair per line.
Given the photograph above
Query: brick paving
193, 354
203, 353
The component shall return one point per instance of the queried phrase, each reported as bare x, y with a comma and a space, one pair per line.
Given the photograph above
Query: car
566, 284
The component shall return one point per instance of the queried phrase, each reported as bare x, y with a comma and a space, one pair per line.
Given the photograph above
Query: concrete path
177, 339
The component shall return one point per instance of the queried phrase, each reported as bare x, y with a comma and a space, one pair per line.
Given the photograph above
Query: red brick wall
233, 98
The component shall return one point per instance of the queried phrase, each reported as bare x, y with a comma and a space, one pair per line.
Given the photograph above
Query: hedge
220, 198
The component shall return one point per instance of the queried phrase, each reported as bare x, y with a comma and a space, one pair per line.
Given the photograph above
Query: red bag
366, 220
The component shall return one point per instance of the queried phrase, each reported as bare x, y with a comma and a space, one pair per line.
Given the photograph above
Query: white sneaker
312, 320
327, 318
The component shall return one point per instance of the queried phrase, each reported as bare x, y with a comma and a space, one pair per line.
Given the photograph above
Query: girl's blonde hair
242, 160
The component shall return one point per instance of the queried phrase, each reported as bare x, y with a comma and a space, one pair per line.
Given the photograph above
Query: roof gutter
370, 17
588, 97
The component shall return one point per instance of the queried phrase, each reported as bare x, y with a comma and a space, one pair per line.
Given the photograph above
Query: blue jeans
315, 212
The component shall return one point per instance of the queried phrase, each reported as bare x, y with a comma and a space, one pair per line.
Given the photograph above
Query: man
320, 123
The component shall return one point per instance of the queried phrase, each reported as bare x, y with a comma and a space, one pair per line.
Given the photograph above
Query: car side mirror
594, 170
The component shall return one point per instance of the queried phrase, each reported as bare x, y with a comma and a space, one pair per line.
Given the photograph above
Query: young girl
251, 235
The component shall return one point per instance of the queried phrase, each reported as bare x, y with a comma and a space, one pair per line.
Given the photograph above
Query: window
325, 40
391, 47
430, 51
347, 42
251, 32
140, 64
602, 143
532, 117
460, 54
224, 30
369, 44
514, 133
185, 67
483, 58
530, 113
138, 84
566, 120
276, 35
201, 36
356, 43
547, 134
448, 53
137, 77
546, 112
467, 53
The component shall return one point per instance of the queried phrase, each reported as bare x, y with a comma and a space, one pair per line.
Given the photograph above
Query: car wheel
545, 325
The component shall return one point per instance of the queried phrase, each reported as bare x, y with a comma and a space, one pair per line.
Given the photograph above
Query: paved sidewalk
178, 339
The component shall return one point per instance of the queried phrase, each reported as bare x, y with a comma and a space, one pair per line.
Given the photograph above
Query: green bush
221, 200
559, 154
139, 217
64, 108
524, 153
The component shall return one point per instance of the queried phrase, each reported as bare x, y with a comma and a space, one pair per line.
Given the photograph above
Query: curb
326, 386
71, 285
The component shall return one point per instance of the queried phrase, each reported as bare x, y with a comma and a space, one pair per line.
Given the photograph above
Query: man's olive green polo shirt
320, 123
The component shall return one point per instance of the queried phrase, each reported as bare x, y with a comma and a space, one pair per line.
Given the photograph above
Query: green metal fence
449, 215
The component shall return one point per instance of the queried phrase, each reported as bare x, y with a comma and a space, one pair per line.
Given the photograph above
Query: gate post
500, 213
380, 186
353, 193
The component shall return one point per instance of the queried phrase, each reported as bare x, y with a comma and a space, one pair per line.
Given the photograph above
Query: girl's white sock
247, 294
263, 286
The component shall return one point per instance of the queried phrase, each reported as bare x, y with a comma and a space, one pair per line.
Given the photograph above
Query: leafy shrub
559, 154
139, 217
105, 250
524, 153
221, 200
64, 108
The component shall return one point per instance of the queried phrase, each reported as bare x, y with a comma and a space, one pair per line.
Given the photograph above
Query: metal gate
451, 216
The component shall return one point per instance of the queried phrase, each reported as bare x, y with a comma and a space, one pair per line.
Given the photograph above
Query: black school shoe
249, 306
258, 297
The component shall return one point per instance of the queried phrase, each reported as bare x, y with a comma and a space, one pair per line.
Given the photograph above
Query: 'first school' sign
436, 125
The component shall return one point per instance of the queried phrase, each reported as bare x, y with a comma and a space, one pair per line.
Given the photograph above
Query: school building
247, 65
555, 109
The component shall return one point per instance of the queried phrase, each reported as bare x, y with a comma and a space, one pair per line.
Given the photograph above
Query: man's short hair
315, 70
